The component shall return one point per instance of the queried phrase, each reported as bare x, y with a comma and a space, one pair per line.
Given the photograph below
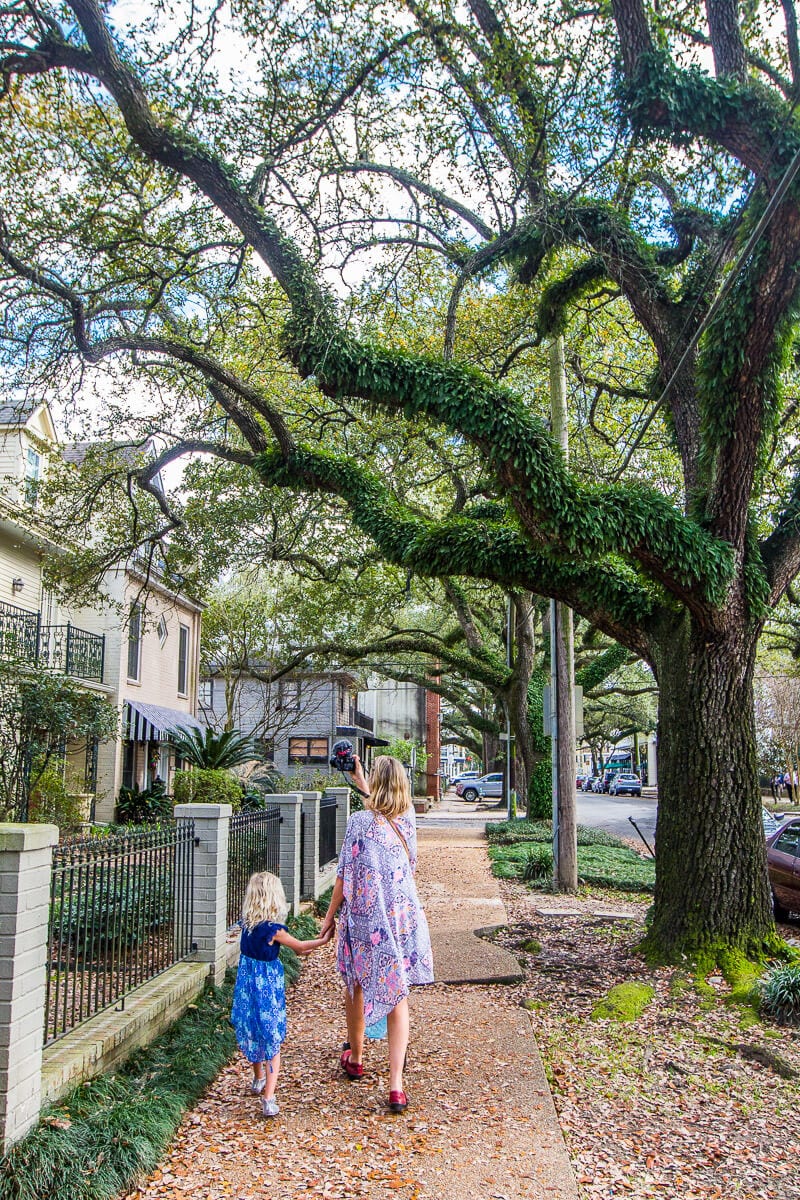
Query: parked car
608, 779
625, 783
597, 783
580, 780
465, 775
588, 783
487, 785
783, 868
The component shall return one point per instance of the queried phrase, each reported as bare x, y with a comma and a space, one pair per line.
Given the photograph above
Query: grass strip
600, 865
107, 1133
509, 833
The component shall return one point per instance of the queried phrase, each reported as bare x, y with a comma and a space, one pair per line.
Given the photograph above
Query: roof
125, 453
18, 412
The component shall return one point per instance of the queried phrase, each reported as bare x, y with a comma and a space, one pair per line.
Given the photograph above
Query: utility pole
562, 675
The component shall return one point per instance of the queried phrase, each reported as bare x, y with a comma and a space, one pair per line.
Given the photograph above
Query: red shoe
352, 1070
398, 1102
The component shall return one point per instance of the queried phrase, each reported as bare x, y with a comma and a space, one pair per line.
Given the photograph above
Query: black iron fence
120, 914
253, 845
19, 633
64, 648
327, 829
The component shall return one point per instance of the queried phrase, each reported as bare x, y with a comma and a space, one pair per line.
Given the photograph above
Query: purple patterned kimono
384, 944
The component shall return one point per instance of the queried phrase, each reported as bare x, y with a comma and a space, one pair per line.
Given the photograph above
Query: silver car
487, 785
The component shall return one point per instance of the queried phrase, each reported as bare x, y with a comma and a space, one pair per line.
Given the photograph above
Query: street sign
550, 715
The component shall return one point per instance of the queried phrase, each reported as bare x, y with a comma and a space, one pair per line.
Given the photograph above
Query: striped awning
153, 723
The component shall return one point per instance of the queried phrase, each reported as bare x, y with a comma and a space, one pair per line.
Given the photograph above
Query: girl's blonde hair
389, 791
264, 900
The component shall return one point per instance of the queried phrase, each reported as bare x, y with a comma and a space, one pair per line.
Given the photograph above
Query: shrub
207, 786
124, 913
50, 803
780, 994
144, 807
538, 865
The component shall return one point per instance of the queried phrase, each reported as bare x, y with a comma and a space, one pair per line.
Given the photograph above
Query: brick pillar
25, 867
342, 795
311, 844
291, 806
210, 882
433, 733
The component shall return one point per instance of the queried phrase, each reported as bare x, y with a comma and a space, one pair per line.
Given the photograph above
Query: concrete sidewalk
481, 1121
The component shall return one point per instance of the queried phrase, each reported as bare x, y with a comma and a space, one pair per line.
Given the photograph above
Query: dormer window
33, 466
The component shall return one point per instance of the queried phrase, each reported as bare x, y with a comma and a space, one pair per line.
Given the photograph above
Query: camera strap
352, 785
399, 834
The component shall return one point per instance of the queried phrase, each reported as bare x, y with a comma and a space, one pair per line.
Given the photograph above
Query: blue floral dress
258, 1014
384, 943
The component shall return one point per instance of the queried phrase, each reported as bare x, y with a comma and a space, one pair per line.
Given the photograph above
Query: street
611, 813
598, 811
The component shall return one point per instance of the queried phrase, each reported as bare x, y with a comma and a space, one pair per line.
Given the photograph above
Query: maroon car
783, 867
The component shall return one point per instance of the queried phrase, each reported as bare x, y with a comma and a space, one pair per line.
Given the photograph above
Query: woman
384, 945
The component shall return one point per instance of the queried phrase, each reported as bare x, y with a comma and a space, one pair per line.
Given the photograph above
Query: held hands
327, 933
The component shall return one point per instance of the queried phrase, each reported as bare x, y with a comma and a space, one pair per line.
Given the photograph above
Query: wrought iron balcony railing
63, 648
359, 719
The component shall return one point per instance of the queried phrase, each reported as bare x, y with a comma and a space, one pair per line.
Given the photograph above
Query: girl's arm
336, 901
286, 939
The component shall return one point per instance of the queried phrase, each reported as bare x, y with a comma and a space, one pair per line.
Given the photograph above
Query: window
788, 841
207, 693
183, 658
161, 630
308, 750
32, 468
134, 641
289, 695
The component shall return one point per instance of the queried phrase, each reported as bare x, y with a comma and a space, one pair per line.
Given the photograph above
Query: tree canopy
624, 176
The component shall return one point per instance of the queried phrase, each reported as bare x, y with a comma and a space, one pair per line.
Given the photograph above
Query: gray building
295, 720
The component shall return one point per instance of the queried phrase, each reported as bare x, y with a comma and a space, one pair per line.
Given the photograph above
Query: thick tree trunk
711, 881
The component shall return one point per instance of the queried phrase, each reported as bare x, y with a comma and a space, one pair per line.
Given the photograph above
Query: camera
342, 756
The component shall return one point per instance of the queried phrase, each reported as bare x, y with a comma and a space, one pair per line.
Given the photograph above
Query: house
411, 713
295, 720
140, 647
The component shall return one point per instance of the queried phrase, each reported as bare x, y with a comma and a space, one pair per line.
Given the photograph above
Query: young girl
259, 1002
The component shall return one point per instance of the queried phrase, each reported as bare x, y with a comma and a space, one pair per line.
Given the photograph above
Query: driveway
611, 813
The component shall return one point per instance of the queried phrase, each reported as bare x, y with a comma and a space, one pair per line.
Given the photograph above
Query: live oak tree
567, 138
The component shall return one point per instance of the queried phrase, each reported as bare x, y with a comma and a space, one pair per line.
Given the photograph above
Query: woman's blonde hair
389, 791
264, 900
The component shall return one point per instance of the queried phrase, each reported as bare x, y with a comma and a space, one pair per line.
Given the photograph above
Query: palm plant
211, 750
